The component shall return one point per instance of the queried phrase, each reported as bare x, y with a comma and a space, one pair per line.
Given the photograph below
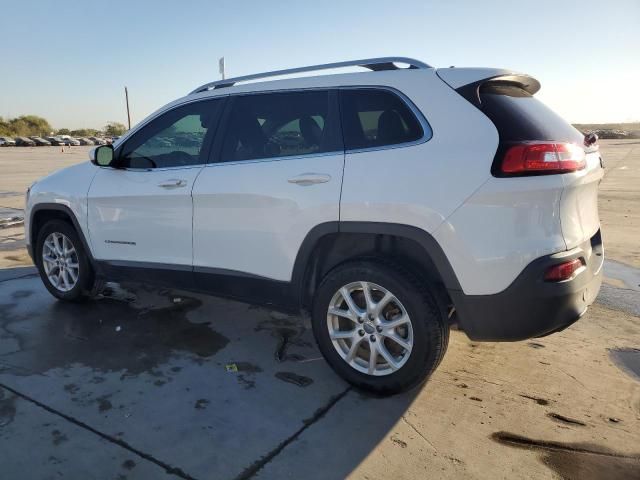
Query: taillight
563, 271
542, 158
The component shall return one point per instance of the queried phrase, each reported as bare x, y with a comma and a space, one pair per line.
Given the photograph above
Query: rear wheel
378, 326
62, 261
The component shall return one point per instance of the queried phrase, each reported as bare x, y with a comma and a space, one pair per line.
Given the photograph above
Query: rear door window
281, 124
376, 118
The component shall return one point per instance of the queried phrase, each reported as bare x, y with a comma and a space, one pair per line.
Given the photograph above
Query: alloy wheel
370, 328
60, 261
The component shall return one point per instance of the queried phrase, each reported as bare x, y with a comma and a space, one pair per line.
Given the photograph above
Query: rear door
278, 174
141, 212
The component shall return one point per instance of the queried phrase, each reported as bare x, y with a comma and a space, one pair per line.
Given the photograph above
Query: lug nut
360, 319
372, 338
371, 317
379, 328
361, 332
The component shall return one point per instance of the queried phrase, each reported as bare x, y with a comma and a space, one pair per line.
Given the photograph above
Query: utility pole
126, 96
221, 66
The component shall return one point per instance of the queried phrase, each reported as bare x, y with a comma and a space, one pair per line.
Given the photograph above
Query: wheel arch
43, 212
330, 244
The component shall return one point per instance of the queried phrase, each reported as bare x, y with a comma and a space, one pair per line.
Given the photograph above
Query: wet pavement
155, 380
146, 383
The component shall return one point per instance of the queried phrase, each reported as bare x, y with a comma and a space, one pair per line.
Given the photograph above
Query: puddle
628, 275
288, 331
538, 400
577, 461
628, 360
106, 334
568, 420
290, 377
7, 407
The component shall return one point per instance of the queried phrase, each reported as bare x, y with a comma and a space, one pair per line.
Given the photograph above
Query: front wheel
62, 262
378, 326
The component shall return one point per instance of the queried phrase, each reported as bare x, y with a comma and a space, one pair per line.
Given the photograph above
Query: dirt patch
201, 404
577, 461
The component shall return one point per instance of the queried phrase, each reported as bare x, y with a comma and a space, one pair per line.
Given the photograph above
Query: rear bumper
531, 307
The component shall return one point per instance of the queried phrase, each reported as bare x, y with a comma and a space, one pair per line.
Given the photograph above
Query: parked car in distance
70, 140
389, 205
7, 142
98, 140
57, 141
86, 141
25, 142
40, 142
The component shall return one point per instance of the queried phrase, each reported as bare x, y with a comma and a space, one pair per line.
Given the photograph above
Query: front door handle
306, 179
173, 183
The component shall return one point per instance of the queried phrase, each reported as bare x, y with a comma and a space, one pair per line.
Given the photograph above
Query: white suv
389, 204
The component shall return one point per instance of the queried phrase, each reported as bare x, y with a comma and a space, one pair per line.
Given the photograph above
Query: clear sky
69, 60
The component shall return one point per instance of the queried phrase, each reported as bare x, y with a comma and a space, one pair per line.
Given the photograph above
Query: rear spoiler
467, 81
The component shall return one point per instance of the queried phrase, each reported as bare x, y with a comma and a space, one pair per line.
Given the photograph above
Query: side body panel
500, 229
421, 185
67, 187
249, 218
132, 217
579, 206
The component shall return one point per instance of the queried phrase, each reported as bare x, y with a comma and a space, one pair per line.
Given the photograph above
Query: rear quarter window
376, 118
519, 116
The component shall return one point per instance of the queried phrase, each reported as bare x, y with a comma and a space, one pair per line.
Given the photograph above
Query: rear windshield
519, 116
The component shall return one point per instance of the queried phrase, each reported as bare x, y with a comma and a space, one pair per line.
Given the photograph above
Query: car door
277, 174
141, 211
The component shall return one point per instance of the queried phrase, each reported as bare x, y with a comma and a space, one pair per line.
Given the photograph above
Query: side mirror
102, 156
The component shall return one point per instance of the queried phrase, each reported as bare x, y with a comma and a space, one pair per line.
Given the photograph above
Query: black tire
428, 320
85, 275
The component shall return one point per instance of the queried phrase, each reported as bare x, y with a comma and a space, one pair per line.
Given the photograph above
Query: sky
69, 61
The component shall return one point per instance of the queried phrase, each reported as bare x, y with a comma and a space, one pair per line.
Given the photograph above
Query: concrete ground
145, 383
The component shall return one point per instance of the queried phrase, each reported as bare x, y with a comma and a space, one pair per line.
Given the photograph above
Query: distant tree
84, 132
5, 130
114, 129
27, 125
63, 131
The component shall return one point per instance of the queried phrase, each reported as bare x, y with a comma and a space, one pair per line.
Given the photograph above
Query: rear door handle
173, 183
306, 179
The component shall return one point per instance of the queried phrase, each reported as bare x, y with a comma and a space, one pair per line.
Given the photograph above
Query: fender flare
430, 245
76, 225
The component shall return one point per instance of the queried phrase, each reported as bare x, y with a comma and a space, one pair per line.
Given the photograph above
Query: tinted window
280, 124
174, 139
374, 118
519, 116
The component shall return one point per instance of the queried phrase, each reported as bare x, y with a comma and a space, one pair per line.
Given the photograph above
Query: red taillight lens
563, 271
543, 158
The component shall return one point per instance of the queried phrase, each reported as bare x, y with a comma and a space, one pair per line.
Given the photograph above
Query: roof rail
375, 64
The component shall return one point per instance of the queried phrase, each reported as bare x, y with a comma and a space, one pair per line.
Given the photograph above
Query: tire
427, 331
79, 289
